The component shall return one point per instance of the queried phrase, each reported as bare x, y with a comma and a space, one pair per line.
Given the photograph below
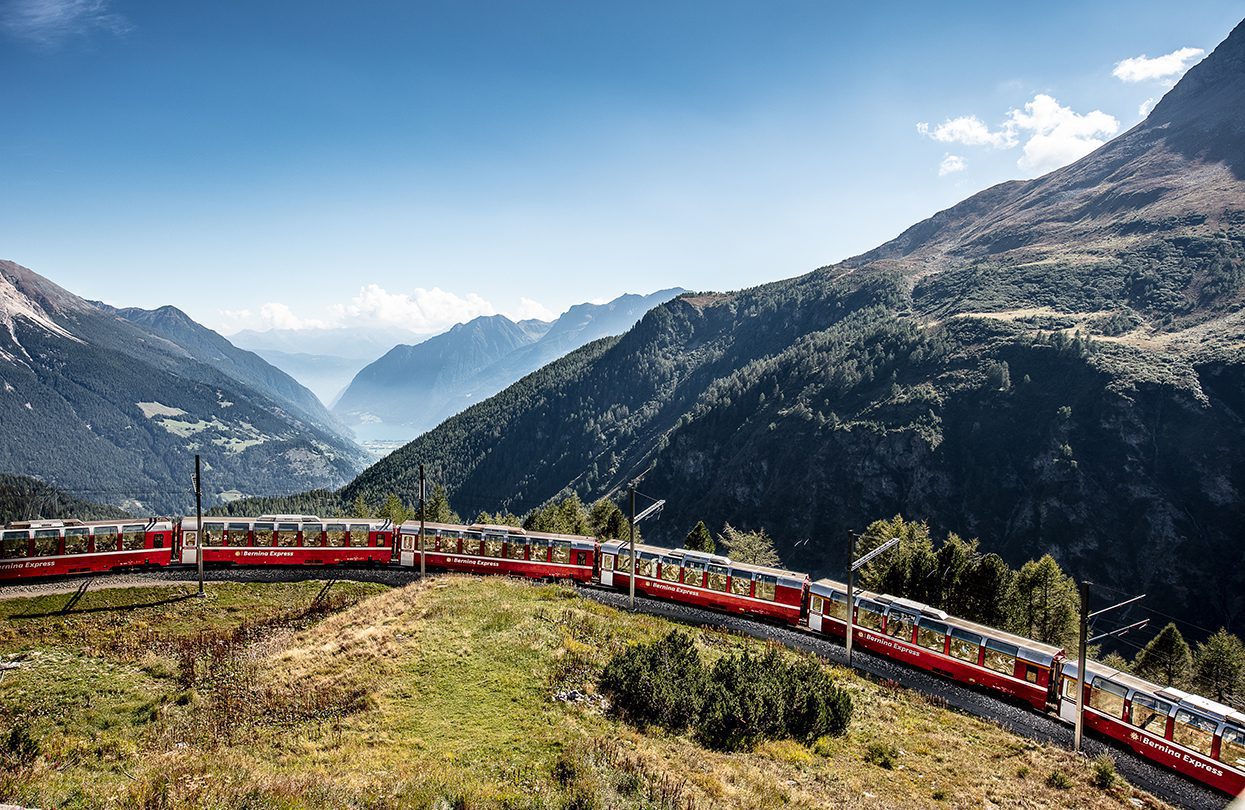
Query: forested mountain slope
1051, 365
102, 408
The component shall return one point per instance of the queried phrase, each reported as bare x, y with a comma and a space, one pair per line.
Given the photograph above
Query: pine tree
394, 510
1046, 604
1167, 659
607, 521
699, 539
437, 508
985, 591
360, 508
1219, 666
956, 557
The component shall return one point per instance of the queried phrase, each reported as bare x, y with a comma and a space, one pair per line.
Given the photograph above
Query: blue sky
409, 164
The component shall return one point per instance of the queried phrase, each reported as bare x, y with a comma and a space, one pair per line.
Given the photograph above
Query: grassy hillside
437, 694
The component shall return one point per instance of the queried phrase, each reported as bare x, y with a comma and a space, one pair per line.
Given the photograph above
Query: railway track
1166, 785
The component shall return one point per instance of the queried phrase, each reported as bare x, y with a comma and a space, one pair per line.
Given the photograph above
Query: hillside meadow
448, 693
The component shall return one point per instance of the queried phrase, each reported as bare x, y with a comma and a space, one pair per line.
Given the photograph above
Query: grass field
439, 694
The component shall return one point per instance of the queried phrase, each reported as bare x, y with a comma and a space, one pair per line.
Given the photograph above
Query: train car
929, 639
287, 540
42, 548
1198, 737
706, 580
489, 549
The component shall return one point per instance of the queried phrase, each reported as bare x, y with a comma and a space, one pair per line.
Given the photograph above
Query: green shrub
883, 754
1104, 772
19, 748
1059, 780
662, 683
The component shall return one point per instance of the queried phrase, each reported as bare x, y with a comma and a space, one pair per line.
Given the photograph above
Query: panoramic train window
1107, 697
262, 534
493, 544
931, 635
964, 645
1149, 713
1232, 747
13, 544
106, 538
741, 583
869, 615
561, 552
836, 606
518, 549
646, 565
213, 534
311, 535
719, 576
899, 625
287, 534
670, 569
358, 534
538, 549
47, 542
237, 533
694, 572
77, 540
133, 538
1001, 657
767, 586
336, 534
1194, 731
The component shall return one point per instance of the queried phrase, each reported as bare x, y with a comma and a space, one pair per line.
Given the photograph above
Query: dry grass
439, 695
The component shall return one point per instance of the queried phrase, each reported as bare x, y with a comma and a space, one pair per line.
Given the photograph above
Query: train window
1194, 731
694, 573
471, 544
213, 534
1107, 697
767, 587
607, 562
964, 645
77, 540
1232, 747
869, 615
646, 565
670, 570
538, 549
899, 625
311, 535
262, 534
741, 583
518, 549
106, 538
1031, 673
13, 544
816, 604
561, 552
47, 542
1001, 657
358, 535
931, 635
836, 606
335, 533
287, 534
719, 577
237, 535
133, 538
493, 544
1149, 713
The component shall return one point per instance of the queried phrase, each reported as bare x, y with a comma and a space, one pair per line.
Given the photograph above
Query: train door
409, 556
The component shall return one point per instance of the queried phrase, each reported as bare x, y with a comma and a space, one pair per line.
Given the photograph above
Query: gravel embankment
1164, 784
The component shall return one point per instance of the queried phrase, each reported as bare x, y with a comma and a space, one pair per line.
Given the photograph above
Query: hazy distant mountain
413, 388
325, 375
114, 409
354, 342
250, 369
1053, 365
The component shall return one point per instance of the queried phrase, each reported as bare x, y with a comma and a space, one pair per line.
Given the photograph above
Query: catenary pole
851, 602
423, 516
1081, 646
634, 567
199, 521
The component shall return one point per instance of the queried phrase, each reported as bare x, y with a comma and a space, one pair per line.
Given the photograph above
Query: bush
1059, 780
1104, 772
662, 683
883, 754
20, 748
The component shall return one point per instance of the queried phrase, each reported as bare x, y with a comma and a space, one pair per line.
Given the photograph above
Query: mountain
353, 342
413, 388
23, 498
114, 409
326, 375
206, 346
1054, 365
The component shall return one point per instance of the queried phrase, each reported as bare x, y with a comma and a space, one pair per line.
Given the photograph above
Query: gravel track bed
1166, 785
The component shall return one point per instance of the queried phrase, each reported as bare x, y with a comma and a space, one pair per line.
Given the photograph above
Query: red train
1200, 738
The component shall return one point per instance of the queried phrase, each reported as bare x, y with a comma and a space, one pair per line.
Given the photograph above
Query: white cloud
49, 22
1169, 66
419, 311
1053, 135
968, 130
1146, 107
951, 164
528, 308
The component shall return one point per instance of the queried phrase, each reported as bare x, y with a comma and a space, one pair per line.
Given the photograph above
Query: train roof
1046, 652
1171, 694
710, 559
31, 525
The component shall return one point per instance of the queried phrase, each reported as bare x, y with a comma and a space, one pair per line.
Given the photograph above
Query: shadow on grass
69, 606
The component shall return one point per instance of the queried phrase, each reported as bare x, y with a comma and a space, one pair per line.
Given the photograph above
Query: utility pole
634, 566
199, 522
422, 517
851, 600
1082, 646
